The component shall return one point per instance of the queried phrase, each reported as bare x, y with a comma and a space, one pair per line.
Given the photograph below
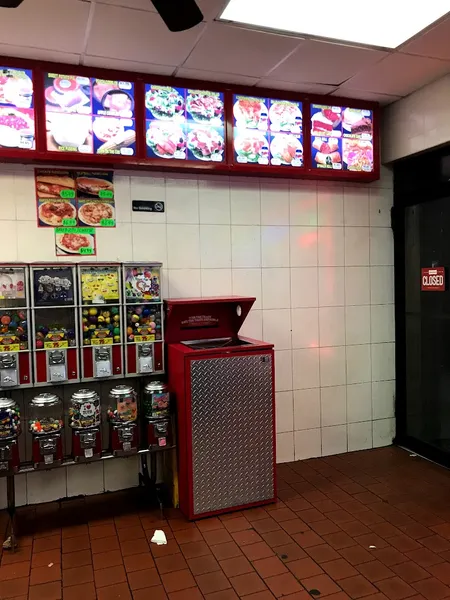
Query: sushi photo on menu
17, 128
184, 124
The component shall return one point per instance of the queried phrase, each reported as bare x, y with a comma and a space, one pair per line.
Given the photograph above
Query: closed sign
433, 280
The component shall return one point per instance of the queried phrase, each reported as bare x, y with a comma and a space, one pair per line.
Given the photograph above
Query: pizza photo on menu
93, 213
55, 213
74, 243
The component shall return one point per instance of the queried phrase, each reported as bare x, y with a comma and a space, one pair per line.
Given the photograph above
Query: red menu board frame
140, 161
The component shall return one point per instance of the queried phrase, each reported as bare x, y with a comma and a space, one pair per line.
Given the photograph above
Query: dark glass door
424, 422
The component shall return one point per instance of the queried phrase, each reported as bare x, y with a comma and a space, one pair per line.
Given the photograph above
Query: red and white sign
433, 280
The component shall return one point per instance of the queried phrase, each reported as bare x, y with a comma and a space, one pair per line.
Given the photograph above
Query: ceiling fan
178, 15
10, 3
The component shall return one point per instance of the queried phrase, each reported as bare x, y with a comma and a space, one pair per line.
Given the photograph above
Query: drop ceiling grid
129, 35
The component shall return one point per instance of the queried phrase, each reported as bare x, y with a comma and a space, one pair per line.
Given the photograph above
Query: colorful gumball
93, 311
39, 344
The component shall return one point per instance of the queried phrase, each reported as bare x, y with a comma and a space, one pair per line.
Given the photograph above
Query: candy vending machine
143, 318
15, 348
100, 319
54, 301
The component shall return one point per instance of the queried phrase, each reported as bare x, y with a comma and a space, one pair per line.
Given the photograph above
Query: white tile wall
317, 257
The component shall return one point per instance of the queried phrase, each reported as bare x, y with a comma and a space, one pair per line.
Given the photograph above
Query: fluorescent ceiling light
386, 23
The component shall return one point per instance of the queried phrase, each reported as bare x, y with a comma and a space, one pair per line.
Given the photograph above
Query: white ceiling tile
383, 99
39, 54
215, 76
304, 88
65, 24
236, 50
137, 4
127, 65
398, 75
434, 43
135, 35
322, 62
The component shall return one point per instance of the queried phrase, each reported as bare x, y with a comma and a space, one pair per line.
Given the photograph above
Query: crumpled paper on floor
159, 538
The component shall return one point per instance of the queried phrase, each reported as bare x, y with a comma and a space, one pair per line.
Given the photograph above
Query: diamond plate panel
232, 431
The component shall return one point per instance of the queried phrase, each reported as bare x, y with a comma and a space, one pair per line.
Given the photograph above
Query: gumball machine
143, 318
9, 433
46, 422
122, 416
100, 319
15, 354
54, 324
156, 408
85, 419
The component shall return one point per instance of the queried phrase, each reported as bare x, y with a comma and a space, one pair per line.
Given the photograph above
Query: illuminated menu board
184, 124
267, 131
342, 138
16, 109
89, 116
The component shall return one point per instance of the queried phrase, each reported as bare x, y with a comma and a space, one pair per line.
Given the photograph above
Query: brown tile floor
372, 525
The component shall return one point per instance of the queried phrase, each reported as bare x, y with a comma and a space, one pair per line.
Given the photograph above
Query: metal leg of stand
11, 543
153, 482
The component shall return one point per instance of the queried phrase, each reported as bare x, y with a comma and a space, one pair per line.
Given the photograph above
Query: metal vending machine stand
100, 316
15, 347
10, 430
54, 301
225, 403
143, 318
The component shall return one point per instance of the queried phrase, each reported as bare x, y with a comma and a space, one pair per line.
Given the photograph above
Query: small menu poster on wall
75, 198
267, 131
70, 241
342, 138
16, 109
89, 115
185, 124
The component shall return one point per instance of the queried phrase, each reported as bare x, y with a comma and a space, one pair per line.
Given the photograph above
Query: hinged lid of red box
205, 318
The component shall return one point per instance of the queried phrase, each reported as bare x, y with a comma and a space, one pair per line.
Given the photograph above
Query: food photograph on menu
89, 115
342, 138
56, 198
16, 109
267, 131
184, 124
71, 241
95, 193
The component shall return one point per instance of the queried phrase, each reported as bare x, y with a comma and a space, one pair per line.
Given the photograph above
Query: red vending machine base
224, 386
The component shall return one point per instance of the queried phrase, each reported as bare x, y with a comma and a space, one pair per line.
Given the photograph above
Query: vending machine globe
156, 408
15, 351
54, 323
9, 433
85, 420
46, 422
100, 318
143, 318
122, 416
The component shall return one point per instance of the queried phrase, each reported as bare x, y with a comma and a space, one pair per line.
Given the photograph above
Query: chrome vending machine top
224, 395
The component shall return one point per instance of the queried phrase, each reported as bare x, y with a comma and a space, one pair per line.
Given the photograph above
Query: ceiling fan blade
179, 15
10, 3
